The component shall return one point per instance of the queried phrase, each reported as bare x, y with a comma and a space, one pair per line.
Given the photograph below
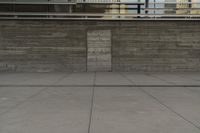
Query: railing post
190, 6
138, 8
70, 6
146, 6
84, 6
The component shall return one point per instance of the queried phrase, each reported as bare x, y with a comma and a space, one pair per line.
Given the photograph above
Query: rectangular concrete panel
184, 101
99, 50
54, 110
130, 110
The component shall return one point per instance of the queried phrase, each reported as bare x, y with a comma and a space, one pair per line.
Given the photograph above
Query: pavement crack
32, 96
156, 77
127, 78
166, 106
92, 103
169, 108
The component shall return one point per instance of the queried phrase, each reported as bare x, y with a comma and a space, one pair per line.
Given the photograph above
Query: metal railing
93, 10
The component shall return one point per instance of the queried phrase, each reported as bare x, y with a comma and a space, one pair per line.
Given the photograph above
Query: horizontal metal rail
93, 2
124, 3
38, 3
88, 14
174, 9
174, 2
71, 2
98, 14
110, 19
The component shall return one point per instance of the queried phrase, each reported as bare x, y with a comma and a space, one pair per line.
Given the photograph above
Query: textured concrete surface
101, 78
129, 110
63, 46
99, 102
99, 50
51, 110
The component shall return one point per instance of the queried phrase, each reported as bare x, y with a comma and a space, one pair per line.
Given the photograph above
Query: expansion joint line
166, 106
156, 77
92, 102
123, 75
169, 108
32, 96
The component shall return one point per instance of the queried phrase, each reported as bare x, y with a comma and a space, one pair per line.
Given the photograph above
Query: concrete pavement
99, 102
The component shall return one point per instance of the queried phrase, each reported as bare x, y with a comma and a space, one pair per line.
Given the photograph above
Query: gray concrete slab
10, 97
101, 78
130, 110
145, 79
44, 78
192, 76
184, 101
116, 109
108, 78
194, 89
31, 78
178, 78
55, 110
12, 78
78, 79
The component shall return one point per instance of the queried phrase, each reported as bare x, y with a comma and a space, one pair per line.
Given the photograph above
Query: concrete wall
33, 46
157, 46
45, 46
